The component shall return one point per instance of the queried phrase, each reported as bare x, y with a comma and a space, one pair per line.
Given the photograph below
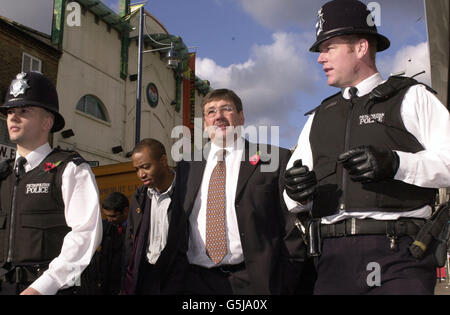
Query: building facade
97, 81
91, 56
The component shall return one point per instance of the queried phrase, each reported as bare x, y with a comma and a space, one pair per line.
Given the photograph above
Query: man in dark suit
150, 253
240, 237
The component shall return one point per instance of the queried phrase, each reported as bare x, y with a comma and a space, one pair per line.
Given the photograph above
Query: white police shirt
83, 216
424, 117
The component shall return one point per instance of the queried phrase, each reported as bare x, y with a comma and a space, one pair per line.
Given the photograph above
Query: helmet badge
19, 85
320, 22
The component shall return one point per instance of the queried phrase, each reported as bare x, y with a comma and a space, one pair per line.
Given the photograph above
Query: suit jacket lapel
246, 170
140, 240
194, 180
141, 197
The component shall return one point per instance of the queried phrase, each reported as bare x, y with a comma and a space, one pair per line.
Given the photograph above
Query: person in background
105, 272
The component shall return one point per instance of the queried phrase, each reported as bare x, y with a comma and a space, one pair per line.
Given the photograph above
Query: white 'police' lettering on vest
370, 119
41, 188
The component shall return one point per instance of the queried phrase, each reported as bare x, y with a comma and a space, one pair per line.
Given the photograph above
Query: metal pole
139, 80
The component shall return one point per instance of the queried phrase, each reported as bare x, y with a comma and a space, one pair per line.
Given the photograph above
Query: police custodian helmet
345, 17
34, 89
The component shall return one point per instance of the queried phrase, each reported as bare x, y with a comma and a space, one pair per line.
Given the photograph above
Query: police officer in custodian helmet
367, 165
50, 222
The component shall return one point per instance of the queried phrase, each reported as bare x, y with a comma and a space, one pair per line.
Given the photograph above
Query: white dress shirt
159, 222
83, 216
428, 120
197, 234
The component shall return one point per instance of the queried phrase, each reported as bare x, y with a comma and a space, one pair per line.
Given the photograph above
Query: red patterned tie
216, 239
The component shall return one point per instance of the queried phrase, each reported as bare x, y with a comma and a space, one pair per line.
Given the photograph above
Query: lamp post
171, 58
139, 79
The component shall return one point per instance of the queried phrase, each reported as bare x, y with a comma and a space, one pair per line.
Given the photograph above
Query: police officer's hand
369, 164
300, 182
30, 291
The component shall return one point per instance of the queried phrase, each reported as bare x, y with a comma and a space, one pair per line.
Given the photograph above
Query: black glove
369, 164
300, 183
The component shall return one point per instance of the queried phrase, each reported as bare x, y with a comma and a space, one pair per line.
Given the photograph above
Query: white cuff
45, 285
294, 206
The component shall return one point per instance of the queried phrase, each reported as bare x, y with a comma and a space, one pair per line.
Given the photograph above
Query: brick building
22, 49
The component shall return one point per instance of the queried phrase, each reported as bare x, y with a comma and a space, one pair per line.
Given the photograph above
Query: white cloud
411, 59
269, 82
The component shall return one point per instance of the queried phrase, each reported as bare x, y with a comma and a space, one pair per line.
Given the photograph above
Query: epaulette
392, 85
323, 102
77, 159
429, 88
73, 156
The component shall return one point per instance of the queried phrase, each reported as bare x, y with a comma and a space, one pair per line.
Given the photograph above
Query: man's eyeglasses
226, 109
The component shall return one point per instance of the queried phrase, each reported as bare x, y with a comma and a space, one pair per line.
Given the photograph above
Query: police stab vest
373, 119
32, 221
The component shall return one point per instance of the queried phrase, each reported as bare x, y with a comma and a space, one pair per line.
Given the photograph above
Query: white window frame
32, 58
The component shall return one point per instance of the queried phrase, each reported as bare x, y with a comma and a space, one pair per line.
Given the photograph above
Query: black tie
353, 92
20, 170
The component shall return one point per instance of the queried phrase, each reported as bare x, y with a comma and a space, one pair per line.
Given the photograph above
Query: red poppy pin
254, 159
50, 166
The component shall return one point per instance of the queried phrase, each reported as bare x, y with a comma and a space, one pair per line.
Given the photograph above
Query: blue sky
259, 48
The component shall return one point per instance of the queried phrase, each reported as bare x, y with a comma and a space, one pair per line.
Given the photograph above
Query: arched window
91, 105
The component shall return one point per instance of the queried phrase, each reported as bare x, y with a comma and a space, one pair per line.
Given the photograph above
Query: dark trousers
8, 288
366, 264
148, 280
156, 280
216, 281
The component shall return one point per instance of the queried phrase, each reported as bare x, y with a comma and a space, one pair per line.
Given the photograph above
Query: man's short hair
223, 94
155, 147
371, 39
116, 201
